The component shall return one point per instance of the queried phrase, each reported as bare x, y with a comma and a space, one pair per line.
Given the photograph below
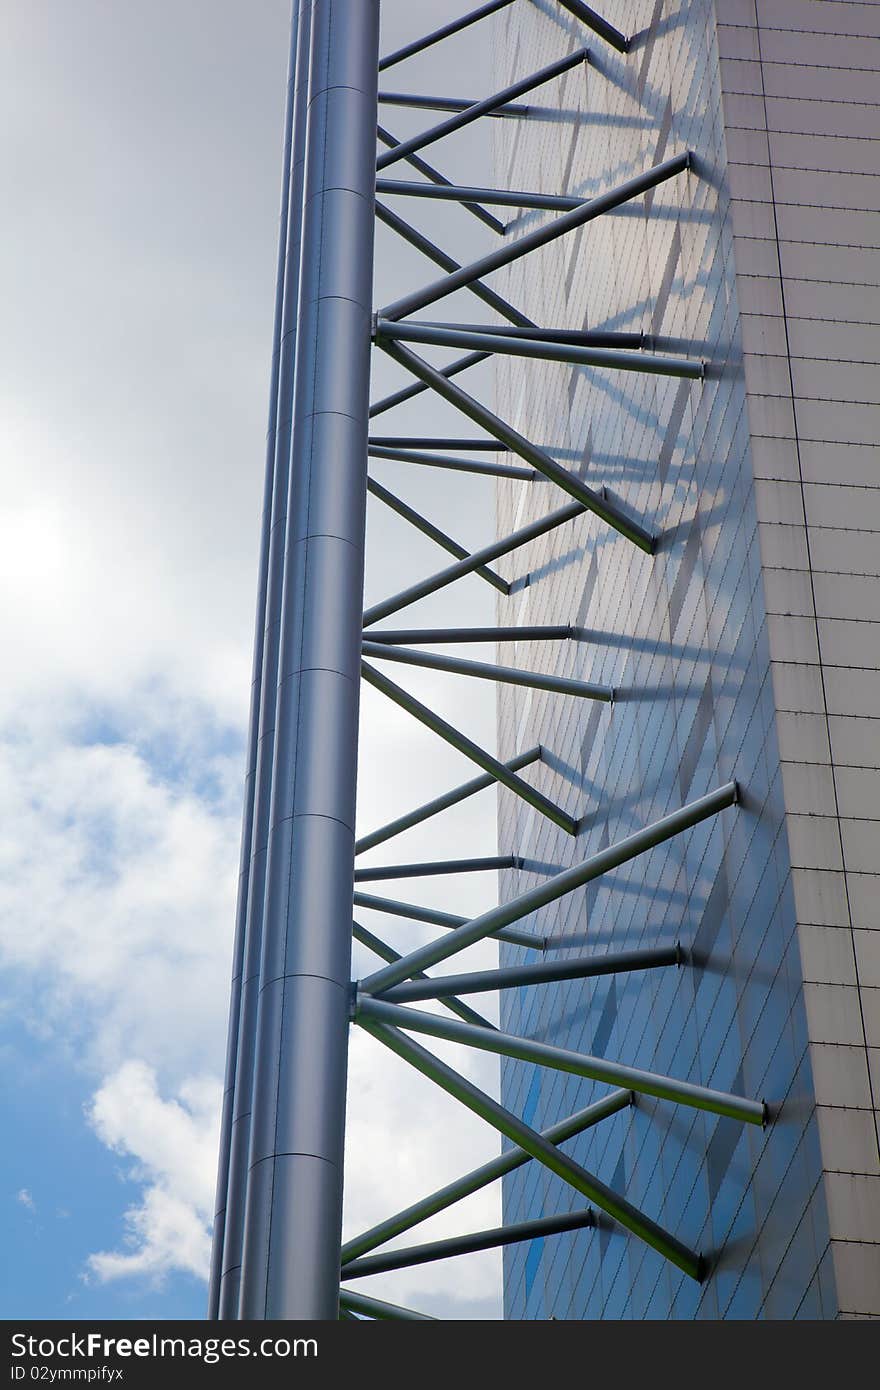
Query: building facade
746, 648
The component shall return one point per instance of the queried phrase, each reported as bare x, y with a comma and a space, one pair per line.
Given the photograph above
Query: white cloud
131, 423
24, 1197
121, 860
173, 1146
115, 896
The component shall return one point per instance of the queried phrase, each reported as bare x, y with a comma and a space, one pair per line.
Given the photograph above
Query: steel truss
277, 1249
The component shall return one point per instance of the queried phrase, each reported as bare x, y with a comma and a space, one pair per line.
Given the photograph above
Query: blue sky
64, 1192
142, 145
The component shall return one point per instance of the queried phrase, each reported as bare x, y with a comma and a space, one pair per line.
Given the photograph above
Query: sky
140, 149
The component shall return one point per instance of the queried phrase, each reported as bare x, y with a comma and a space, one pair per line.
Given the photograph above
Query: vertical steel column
258, 691
293, 1214
239, 1144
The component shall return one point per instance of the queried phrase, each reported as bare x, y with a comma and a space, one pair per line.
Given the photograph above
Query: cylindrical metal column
291, 1261
253, 934
257, 695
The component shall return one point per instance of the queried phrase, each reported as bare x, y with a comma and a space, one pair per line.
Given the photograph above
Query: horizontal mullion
418, 441
453, 463
483, 670
577, 337
561, 1059
468, 1245
425, 103
433, 868
543, 350
438, 635
546, 972
497, 197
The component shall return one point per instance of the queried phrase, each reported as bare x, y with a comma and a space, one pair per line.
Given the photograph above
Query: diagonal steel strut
556, 887
455, 26
546, 972
537, 632
418, 101
439, 180
541, 236
452, 463
647, 1083
479, 557
478, 1178
484, 107
543, 349
468, 1245
534, 1144
377, 1308
599, 26
437, 866
470, 750
417, 239
516, 936
427, 528
444, 802
484, 670
385, 952
593, 501
416, 388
